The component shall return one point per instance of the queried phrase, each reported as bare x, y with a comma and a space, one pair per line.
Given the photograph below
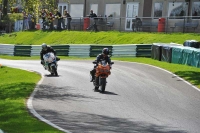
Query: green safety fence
62, 50
24, 50
143, 50
95, 50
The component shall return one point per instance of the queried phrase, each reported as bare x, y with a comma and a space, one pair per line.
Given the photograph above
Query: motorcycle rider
46, 49
105, 56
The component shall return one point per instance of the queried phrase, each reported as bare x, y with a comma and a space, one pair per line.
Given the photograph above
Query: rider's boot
92, 75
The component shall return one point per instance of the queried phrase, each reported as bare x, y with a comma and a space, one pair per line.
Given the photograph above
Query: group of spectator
54, 20
48, 19
136, 24
29, 20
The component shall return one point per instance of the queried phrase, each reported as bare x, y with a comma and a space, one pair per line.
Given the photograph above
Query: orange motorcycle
102, 72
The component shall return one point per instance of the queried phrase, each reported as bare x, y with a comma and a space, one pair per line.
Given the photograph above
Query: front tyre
55, 70
103, 84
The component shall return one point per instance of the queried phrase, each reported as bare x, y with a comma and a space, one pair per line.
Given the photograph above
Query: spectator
94, 17
29, 17
60, 19
136, 24
69, 18
43, 16
26, 25
50, 19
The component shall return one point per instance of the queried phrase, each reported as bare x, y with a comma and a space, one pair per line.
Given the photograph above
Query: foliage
30, 6
15, 16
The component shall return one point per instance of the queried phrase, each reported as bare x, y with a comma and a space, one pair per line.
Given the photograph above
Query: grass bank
83, 37
14, 92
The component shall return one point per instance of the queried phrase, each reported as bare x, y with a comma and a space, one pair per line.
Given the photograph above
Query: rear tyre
103, 84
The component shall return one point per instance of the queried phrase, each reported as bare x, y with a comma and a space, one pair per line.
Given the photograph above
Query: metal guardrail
7, 49
79, 50
133, 50
171, 53
22, 50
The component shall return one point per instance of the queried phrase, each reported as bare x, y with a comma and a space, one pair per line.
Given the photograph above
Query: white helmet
44, 46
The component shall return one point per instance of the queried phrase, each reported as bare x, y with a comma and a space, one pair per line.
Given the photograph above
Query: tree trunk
5, 7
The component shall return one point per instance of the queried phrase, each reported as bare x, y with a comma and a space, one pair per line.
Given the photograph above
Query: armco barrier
35, 50
79, 50
128, 50
61, 49
22, 50
95, 50
7, 49
143, 50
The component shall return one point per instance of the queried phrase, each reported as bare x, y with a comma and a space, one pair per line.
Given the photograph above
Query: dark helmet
105, 51
44, 46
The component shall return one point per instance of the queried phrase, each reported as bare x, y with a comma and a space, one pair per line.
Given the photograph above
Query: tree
5, 3
33, 6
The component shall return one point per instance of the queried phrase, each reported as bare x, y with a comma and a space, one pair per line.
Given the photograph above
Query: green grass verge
84, 37
14, 91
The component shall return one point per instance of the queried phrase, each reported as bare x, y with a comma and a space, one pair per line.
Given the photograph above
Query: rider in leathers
104, 56
46, 49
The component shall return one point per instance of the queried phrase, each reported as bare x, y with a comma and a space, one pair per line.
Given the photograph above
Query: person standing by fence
69, 18
26, 25
60, 19
94, 25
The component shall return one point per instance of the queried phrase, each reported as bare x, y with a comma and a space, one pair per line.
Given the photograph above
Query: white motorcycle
50, 63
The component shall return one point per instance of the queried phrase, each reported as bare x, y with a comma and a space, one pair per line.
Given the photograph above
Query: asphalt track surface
138, 99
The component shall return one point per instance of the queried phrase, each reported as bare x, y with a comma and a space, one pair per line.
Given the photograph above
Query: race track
138, 99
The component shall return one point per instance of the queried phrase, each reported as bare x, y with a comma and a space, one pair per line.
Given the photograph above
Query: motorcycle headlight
107, 70
101, 70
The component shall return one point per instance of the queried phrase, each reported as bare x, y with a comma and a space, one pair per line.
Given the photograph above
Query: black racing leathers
99, 58
106, 58
49, 49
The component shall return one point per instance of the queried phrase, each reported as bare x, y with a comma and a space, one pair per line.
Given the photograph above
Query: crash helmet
105, 51
44, 46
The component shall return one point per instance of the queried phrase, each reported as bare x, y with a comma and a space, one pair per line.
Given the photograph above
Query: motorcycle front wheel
96, 84
55, 70
103, 84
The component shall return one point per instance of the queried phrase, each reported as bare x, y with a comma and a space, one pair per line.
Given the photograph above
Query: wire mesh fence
185, 24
